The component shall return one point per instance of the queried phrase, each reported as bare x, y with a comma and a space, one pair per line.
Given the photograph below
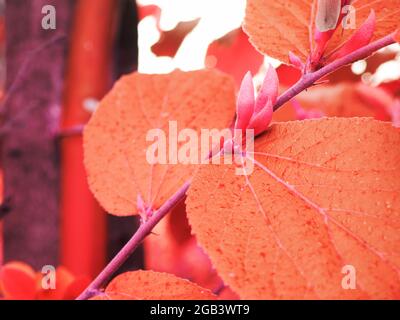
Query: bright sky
215, 22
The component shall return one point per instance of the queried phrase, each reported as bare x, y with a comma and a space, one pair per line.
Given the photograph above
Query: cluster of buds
255, 112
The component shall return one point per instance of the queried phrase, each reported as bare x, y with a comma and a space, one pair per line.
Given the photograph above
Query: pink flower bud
245, 102
295, 61
359, 39
269, 90
261, 121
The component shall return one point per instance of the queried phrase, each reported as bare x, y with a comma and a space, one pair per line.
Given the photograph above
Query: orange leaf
324, 194
170, 41
115, 138
397, 35
149, 285
17, 281
277, 27
234, 55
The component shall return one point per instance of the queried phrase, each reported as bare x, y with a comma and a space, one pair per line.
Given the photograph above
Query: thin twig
145, 229
310, 78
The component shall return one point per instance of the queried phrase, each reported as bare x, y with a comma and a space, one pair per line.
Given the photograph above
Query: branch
144, 230
310, 78
305, 82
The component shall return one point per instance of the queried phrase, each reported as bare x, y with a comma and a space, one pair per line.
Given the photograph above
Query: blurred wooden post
35, 59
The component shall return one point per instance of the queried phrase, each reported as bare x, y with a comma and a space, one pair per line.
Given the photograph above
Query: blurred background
51, 79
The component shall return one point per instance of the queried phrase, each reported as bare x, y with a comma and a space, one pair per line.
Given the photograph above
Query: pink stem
305, 82
132, 244
310, 78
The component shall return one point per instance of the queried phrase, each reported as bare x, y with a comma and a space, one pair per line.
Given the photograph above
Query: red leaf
234, 55
324, 194
149, 285
171, 40
18, 281
115, 138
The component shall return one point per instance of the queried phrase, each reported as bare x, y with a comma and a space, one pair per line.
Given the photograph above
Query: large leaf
115, 138
149, 285
324, 194
277, 27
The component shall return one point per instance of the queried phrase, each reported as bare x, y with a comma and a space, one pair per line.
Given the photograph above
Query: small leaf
359, 39
261, 120
269, 90
296, 61
170, 41
115, 139
18, 281
246, 57
149, 285
324, 194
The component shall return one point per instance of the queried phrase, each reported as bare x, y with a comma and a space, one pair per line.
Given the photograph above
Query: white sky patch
390, 70
218, 17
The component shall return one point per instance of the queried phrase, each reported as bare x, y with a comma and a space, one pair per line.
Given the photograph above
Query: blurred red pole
83, 224
1, 224
1, 244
